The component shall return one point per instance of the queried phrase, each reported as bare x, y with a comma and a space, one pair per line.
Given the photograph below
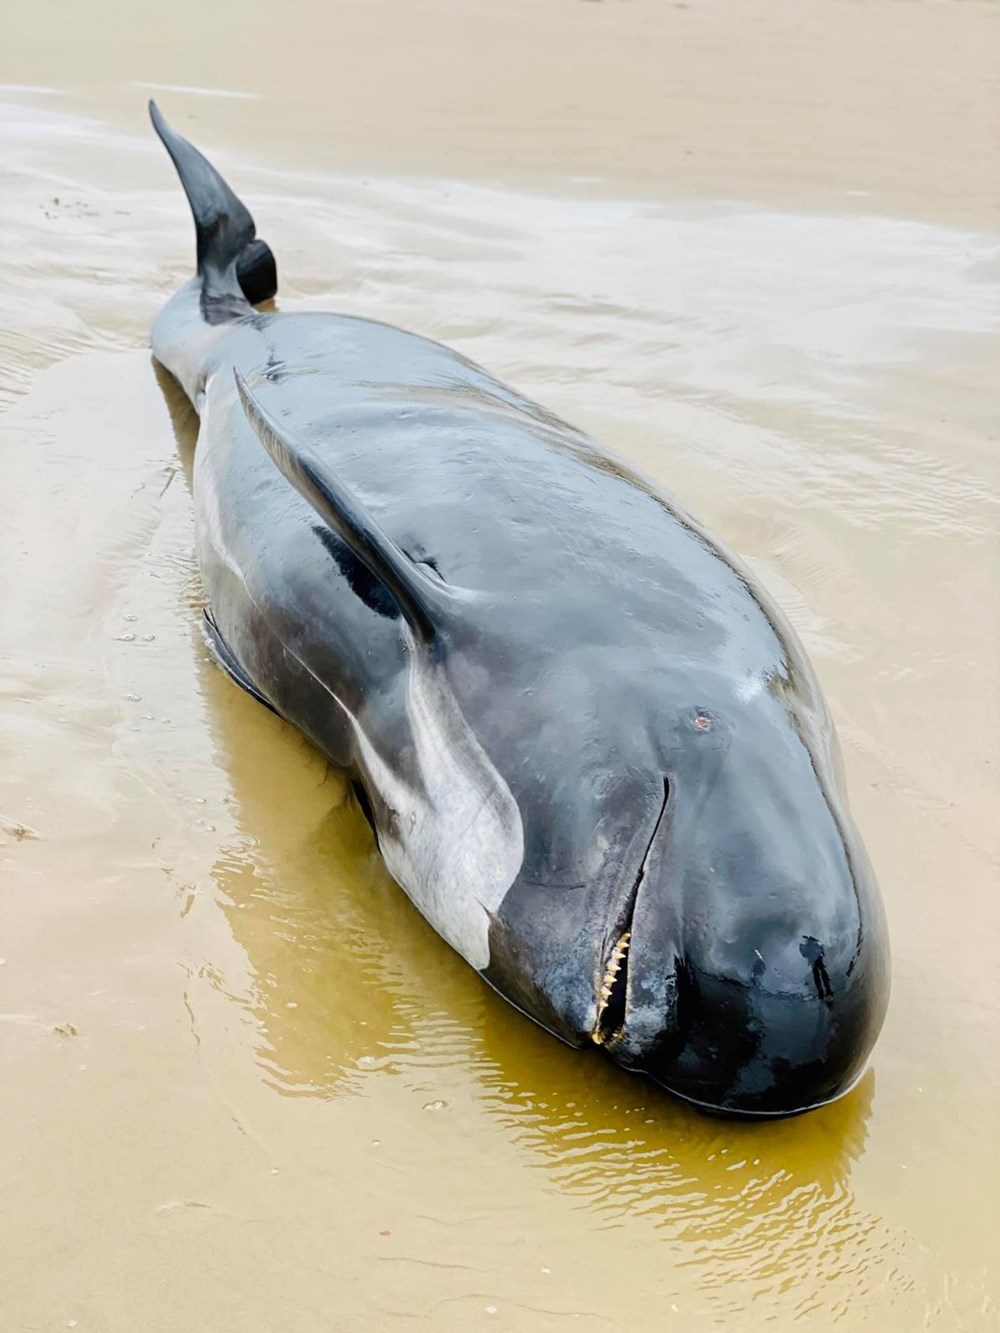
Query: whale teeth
598, 1036
617, 958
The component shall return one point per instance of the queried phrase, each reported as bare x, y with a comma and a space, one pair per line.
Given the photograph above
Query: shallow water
245, 1087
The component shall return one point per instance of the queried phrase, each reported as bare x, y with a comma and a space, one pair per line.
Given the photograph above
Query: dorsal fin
224, 228
423, 602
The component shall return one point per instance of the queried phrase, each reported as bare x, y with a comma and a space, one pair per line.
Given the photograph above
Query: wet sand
245, 1087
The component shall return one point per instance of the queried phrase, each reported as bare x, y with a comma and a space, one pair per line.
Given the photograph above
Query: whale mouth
612, 994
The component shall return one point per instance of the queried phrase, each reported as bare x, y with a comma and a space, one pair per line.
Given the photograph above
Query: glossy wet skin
671, 871
708, 822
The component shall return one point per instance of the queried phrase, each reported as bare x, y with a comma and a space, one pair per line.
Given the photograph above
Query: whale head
695, 899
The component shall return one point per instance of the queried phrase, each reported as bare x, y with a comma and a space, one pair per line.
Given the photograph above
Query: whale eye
702, 720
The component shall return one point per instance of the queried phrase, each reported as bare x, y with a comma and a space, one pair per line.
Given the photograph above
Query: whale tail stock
229, 255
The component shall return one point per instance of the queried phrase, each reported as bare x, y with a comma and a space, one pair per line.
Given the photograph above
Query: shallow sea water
244, 1086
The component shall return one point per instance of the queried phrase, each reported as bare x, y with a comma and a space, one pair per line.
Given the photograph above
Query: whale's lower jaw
733, 1111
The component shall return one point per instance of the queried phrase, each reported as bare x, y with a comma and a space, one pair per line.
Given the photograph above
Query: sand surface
756, 246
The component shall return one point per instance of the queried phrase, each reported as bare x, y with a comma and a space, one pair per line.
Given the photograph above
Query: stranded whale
592, 751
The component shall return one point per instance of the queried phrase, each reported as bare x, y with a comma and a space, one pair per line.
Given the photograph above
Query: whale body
592, 751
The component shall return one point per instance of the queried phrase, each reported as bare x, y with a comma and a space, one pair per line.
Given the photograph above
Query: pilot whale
590, 747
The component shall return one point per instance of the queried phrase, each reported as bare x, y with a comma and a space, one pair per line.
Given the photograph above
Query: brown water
758, 248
